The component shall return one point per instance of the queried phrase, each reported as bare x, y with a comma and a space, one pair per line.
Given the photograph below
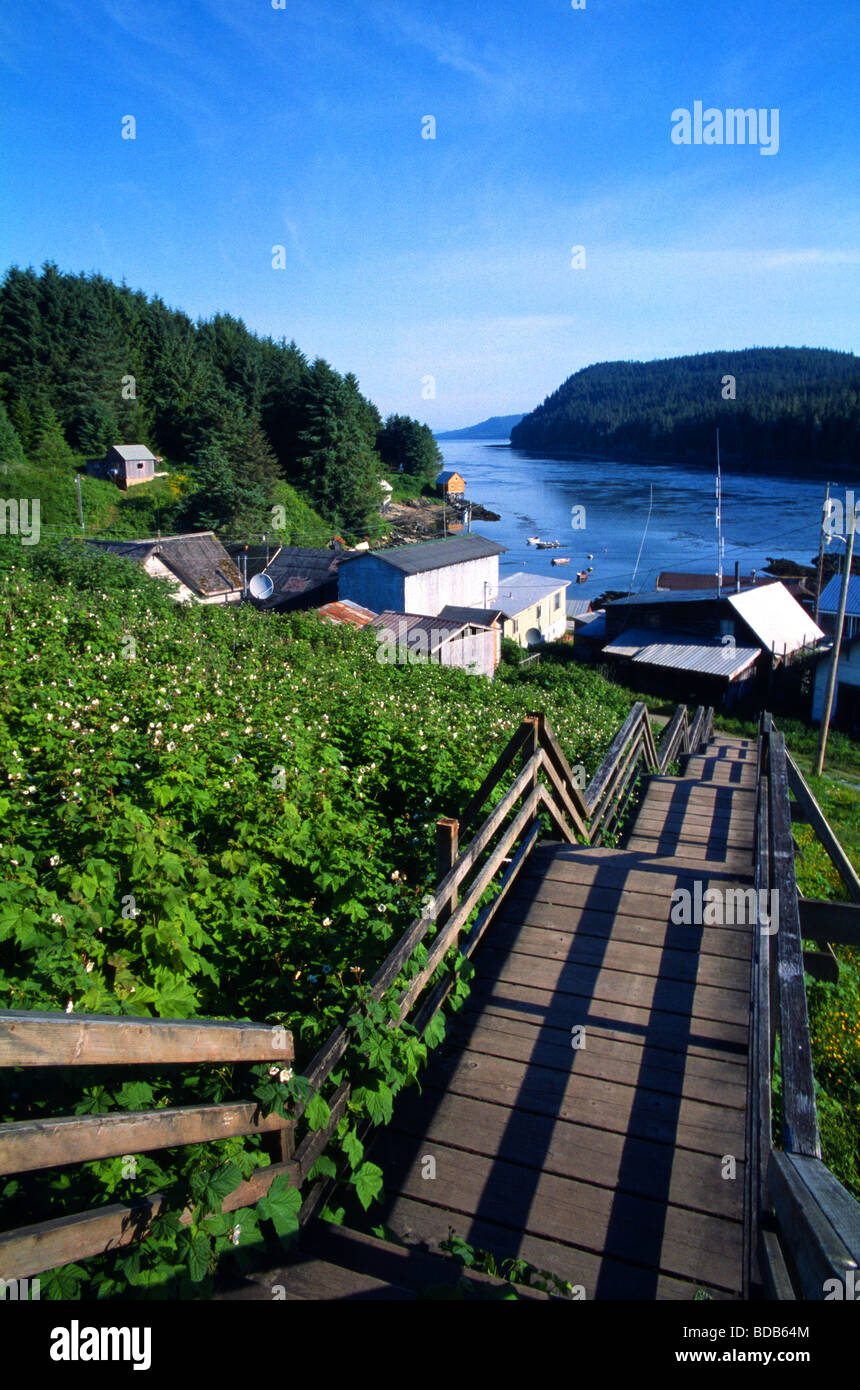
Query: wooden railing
543, 794
803, 1227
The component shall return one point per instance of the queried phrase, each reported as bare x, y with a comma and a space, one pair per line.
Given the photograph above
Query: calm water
763, 515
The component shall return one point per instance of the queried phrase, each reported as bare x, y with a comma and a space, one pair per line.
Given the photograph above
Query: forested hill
242, 422
796, 408
497, 427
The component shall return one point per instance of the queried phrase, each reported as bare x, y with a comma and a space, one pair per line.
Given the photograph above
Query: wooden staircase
587, 1111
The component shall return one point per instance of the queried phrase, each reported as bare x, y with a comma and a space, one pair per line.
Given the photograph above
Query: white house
422, 578
533, 607
846, 697
828, 605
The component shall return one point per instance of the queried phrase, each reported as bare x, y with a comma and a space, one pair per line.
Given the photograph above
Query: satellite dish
261, 587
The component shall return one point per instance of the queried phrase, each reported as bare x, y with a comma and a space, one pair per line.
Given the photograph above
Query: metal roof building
776, 619
302, 576
423, 578
431, 555
829, 601
350, 614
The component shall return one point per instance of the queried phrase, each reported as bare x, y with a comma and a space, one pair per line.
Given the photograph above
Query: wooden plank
776, 1282
555, 757
826, 922
629, 871
687, 1001
630, 1065
594, 1101
799, 1111
705, 1037
37, 1039
30, 1144
615, 1279
628, 730
673, 738
312, 1279
700, 1064
641, 927
654, 962
32, 1249
817, 1249
822, 828
735, 861
567, 1149
835, 1202
569, 806
683, 1242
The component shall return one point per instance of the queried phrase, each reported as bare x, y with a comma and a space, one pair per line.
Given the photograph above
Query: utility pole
80, 502
824, 515
837, 643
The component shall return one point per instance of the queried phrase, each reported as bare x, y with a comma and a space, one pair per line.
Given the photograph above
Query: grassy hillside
216, 812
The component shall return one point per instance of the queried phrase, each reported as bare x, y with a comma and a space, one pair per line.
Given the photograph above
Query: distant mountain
497, 427
794, 409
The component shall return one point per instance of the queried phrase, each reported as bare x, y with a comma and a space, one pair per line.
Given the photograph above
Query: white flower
326, 921
396, 875
55, 917
69, 1007
54, 860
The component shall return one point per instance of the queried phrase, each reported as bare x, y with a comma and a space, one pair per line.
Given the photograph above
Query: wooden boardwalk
602, 1163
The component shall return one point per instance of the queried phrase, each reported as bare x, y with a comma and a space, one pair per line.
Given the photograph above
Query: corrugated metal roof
829, 601
405, 625
776, 618
298, 569
432, 555
345, 611
594, 628
726, 662
446, 477
675, 580
578, 607
521, 590
131, 452
629, 642
479, 617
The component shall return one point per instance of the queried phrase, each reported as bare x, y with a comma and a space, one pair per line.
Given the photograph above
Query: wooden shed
451, 484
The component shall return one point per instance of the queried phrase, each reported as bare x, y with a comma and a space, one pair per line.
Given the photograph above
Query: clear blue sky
450, 257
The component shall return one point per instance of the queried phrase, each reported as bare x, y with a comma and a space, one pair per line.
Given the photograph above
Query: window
557, 601
538, 612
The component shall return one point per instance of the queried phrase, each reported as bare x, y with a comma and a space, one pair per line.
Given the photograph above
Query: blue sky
408, 258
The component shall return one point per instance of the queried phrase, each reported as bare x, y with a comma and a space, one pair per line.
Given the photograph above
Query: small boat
533, 540
590, 568
560, 560
548, 545
589, 557
582, 576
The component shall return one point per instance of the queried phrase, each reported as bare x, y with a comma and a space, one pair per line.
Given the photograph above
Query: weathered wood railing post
447, 850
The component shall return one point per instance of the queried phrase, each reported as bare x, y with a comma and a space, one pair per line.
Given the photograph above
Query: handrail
804, 1226
544, 785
